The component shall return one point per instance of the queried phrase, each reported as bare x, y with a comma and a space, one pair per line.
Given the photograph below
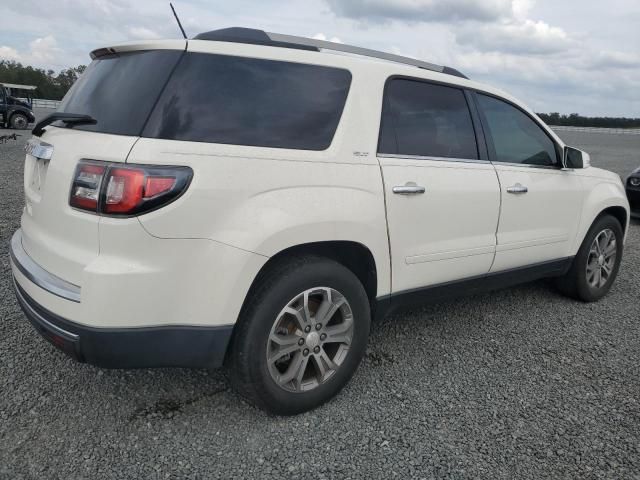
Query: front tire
19, 121
596, 264
301, 335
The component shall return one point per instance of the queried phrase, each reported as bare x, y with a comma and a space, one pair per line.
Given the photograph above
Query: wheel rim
602, 258
19, 122
310, 339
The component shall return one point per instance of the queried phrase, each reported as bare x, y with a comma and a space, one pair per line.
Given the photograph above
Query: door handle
409, 188
517, 188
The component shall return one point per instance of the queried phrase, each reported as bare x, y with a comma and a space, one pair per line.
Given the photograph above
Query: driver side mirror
574, 158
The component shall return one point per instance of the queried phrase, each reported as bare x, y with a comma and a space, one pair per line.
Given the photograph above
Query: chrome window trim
526, 165
437, 159
38, 275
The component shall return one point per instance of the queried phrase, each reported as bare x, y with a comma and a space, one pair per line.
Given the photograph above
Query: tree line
577, 120
50, 84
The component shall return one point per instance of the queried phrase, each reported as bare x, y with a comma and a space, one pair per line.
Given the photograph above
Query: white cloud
322, 36
8, 53
617, 60
521, 8
528, 37
143, 33
43, 50
422, 10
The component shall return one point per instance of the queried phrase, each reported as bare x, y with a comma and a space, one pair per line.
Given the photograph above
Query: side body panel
447, 233
265, 200
540, 225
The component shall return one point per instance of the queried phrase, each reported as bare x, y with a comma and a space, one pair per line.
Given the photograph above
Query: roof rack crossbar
366, 52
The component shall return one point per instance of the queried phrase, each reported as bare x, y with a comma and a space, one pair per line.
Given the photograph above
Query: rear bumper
109, 347
146, 347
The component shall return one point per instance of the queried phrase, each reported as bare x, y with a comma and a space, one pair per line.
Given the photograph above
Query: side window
250, 101
427, 120
516, 137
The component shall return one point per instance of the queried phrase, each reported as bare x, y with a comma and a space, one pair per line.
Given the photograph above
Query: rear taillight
86, 186
126, 190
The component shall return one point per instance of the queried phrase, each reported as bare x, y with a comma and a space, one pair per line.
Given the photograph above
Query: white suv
253, 200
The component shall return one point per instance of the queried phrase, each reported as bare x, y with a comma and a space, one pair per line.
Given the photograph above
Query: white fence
617, 131
42, 103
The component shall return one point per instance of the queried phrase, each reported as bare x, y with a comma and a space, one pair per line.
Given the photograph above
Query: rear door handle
517, 188
409, 188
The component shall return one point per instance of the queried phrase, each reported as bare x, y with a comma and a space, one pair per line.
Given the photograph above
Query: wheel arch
603, 199
353, 255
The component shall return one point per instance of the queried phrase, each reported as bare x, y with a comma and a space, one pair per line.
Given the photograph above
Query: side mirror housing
574, 158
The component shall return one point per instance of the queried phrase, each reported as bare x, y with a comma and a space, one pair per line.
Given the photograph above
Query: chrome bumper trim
38, 275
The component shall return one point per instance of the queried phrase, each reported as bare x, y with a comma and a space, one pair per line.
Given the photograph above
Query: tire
19, 121
265, 383
578, 282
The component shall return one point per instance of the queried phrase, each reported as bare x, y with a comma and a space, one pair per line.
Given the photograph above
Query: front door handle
409, 188
517, 188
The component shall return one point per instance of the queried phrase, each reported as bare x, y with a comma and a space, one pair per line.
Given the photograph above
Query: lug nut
301, 341
316, 349
323, 337
305, 352
307, 328
318, 326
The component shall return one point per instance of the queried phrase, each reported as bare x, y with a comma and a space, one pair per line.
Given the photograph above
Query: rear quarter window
247, 101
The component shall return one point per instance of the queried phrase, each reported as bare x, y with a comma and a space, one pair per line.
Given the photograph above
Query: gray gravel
520, 383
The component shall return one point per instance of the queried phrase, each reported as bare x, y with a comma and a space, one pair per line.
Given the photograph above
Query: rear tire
19, 121
287, 362
597, 262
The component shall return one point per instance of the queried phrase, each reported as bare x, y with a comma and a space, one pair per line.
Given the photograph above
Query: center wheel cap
601, 260
312, 340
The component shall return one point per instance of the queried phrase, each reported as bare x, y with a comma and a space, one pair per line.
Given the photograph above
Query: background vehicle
633, 192
265, 199
16, 105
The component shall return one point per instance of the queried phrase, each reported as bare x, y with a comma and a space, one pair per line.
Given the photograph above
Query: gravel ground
520, 383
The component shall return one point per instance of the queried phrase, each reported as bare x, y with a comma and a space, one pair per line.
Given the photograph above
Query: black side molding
471, 286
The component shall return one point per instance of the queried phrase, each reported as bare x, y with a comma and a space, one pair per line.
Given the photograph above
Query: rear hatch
119, 90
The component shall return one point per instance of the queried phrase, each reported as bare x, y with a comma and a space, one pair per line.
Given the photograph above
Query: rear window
247, 101
119, 91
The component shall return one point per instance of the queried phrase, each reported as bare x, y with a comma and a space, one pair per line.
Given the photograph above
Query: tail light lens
126, 190
86, 186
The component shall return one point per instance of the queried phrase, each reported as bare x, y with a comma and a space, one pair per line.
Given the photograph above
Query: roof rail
260, 37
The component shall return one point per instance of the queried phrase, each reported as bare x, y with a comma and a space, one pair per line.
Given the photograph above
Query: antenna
178, 20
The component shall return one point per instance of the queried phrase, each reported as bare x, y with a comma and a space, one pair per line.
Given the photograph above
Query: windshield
119, 91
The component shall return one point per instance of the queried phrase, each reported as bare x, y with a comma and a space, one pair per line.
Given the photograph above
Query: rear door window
248, 101
119, 91
425, 119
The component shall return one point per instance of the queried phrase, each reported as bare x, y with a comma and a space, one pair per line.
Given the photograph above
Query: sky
567, 56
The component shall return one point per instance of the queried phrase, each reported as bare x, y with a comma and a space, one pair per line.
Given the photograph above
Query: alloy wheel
602, 258
310, 339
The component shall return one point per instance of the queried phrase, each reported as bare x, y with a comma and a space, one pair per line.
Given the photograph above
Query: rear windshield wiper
70, 118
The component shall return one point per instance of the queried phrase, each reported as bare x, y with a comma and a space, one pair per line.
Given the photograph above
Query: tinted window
245, 101
516, 137
119, 91
428, 120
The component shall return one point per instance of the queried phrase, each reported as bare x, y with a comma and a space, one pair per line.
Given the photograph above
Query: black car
633, 192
